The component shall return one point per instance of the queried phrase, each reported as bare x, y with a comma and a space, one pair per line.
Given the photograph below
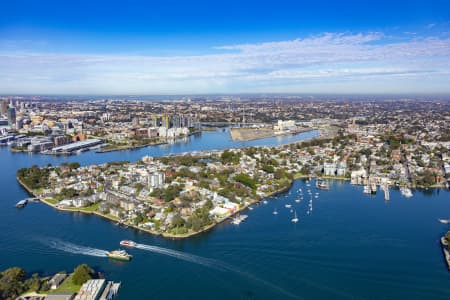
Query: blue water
352, 246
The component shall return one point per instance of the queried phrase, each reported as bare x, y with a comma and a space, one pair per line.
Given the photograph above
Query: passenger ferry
120, 255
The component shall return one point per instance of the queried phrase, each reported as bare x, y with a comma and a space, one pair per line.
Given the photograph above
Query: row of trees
34, 177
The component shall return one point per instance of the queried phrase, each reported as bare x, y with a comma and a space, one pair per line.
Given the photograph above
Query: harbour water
352, 246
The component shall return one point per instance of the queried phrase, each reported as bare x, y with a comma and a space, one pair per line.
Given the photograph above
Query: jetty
385, 188
237, 220
22, 203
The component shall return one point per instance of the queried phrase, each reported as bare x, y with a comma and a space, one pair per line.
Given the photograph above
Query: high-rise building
11, 116
3, 107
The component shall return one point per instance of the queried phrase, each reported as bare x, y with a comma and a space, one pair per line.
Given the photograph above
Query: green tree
245, 179
12, 283
81, 274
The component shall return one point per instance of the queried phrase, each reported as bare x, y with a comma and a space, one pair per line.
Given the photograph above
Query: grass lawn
51, 201
91, 208
66, 287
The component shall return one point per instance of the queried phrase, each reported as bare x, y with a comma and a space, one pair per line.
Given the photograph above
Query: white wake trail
180, 255
212, 263
76, 249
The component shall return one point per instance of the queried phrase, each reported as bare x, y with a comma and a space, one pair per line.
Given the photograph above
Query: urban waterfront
351, 246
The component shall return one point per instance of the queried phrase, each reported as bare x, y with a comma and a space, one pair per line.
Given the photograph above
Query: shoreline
444, 245
189, 234
163, 234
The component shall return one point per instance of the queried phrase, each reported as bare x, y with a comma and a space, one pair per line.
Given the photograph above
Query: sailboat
275, 212
295, 219
297, 200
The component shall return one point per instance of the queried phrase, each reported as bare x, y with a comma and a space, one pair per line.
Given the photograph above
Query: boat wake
76, 249
180, 255
215, 264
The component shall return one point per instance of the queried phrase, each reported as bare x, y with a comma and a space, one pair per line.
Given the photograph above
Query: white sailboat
275, 212
295, 219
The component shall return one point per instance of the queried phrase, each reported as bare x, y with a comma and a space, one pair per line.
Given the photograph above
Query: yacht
321, 184
288, 206
367, 189
297, 200
444, 221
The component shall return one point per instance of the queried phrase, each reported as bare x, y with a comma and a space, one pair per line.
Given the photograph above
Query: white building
156, 180
285, 125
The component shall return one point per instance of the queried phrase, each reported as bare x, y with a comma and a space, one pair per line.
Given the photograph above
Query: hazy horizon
198, 48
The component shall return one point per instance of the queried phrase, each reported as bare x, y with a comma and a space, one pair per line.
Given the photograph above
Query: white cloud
315, 63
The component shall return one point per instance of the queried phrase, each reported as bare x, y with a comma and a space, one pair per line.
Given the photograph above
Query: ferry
128, 243
120, 255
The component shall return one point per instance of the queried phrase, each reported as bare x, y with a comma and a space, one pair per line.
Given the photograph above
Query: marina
239, 219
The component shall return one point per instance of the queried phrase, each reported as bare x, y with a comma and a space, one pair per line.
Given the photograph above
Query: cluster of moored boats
295, 219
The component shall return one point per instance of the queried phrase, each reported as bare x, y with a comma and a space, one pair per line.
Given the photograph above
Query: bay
352, 246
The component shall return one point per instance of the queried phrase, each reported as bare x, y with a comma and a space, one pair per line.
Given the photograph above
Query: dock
237, 220
385, 188
110, 291
22, 203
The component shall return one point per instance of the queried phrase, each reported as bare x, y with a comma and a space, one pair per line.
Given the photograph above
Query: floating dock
22, 203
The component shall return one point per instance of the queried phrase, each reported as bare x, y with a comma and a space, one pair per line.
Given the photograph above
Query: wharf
22, 203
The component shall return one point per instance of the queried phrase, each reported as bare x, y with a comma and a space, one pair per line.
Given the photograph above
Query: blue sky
184, 47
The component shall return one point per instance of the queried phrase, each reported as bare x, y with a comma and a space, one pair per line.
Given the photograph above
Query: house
56, 280
219, 212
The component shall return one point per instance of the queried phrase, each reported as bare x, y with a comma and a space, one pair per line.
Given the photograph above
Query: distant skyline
210, 47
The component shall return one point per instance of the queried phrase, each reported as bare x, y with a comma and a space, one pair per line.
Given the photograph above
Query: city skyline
195, 48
